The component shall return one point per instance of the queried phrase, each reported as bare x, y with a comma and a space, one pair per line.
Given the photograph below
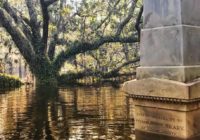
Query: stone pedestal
166, 93
170, 40
166, 108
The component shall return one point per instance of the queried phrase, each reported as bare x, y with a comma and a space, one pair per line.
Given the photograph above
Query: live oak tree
80, 27
109, 61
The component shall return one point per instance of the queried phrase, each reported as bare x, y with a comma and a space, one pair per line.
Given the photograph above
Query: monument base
151, 136
176, 73
165, 108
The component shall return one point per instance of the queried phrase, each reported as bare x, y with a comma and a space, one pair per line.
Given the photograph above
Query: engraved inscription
160, 121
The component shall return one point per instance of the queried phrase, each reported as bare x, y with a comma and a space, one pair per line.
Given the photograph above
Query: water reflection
70, 113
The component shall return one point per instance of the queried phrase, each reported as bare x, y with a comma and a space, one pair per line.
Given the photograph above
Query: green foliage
88, 20
66, 10
1, 3
73, 27
69, 78
107, 58
52, 28
9, 81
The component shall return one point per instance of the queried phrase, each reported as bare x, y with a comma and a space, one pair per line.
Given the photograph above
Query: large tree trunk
46, 80
44, 72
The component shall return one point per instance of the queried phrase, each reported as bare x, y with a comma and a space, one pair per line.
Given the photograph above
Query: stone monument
166, 93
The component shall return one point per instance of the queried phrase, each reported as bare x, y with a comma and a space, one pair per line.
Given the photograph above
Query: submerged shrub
9, 81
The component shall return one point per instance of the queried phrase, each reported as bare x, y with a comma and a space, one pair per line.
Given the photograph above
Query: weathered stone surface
166, 107
172, 123
165, 72
177, 73
165, 50
142, 135
161, 47
163, 88
191, 45
172, 46
160, 121
166, 93
159, 13
190, 12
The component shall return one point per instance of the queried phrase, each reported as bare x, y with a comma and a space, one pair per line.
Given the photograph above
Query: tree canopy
50, 32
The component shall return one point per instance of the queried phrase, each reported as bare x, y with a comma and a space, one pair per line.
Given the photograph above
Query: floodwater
67, 114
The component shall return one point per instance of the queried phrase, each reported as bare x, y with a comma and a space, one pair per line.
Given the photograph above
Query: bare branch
127, 19
116, 70
49, 2
138, 22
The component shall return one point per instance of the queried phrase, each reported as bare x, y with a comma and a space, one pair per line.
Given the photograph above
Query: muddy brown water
75, 113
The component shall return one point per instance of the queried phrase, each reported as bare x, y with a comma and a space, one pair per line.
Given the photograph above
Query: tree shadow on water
46, 118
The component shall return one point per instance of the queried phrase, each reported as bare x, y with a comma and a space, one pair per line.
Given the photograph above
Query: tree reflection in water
67, 113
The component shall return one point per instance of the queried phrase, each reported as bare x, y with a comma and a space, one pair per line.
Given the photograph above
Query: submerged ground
72, 114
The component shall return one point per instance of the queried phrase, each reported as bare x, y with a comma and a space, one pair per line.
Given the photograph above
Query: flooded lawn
70, 113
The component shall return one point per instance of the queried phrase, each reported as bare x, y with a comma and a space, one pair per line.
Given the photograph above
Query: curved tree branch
127, 19
138, 22
78, 47
22, 43
55, 40
89, 72
84, 47
35, 28
116, 70
45, 14
18, 20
